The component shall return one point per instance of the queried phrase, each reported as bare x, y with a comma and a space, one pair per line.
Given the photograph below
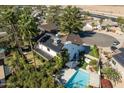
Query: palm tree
27, 27
53, 13
58, 61
43, 10
120, 21
10, 17
112, 74
70, 19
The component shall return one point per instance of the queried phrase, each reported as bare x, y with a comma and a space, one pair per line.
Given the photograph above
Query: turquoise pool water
80, 79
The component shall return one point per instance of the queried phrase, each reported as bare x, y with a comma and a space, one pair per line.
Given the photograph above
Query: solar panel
45, 38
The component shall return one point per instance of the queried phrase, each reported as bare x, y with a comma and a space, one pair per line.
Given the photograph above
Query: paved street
98, 39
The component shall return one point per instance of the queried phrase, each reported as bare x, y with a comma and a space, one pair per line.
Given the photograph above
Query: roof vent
56, 40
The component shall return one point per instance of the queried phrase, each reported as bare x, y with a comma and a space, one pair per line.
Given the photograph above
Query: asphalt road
98, 39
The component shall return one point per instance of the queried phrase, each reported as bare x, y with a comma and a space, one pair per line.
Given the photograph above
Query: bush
94, 51
93, 62
112, 74
96, 68
84, 65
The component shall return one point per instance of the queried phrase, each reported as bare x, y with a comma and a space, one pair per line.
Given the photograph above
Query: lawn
38, 59
11, 59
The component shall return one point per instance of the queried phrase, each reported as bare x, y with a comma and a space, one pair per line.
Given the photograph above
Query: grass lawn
10, 59
39, 61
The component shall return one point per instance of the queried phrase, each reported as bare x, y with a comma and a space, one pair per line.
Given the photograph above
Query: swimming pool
80, 79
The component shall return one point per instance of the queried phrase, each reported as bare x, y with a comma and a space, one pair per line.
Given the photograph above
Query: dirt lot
113, 9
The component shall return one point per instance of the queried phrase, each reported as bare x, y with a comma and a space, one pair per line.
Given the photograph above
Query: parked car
116, 43
113, 48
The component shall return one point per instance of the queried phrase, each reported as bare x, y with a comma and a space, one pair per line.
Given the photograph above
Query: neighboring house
49, 27
88, 27
118, 61
38, 15
2, 53
74, 38
48, 46
108, 22
2, 72
3, 34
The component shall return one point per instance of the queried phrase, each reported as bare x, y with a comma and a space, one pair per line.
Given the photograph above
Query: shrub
94, 51
84, 65
93, 62
112, 74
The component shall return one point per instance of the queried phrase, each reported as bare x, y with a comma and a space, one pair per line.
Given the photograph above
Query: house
73, 50
74, 38
2, 54
2, 72
118, 61
3, 34
108, 22
48, 46
74, 45
87, 27
49, 27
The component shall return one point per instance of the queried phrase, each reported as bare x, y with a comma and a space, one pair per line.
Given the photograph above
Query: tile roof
48, 26
74, 38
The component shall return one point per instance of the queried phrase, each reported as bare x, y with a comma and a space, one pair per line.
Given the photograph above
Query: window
48, 49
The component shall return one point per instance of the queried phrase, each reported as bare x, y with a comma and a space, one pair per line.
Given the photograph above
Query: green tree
59, 62
112, 74
26, 24
70, 20
27, 27
65, 55
120, 21
94, 51
8, 20
53, 14
42, 9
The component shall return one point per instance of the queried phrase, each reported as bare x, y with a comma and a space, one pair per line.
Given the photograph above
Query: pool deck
94, 77
68, 73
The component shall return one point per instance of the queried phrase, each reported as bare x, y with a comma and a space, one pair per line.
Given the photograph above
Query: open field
114, 10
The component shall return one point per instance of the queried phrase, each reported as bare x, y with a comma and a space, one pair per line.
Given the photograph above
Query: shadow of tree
86, 33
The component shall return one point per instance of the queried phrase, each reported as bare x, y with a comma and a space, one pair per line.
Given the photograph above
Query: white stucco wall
45, 49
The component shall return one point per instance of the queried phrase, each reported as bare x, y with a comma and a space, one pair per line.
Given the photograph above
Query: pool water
80, 79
